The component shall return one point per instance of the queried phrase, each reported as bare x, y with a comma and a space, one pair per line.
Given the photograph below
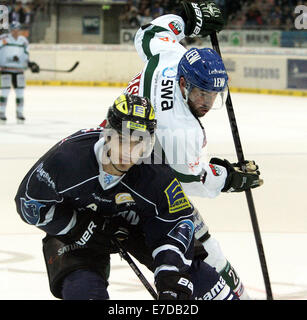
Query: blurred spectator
253, 17
145, 17
157, 9
18, 13
129, 18
239, 14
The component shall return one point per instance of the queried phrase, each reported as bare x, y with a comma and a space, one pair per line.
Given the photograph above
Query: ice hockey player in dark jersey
98, 184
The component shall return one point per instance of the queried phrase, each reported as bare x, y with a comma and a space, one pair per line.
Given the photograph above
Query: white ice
273, 131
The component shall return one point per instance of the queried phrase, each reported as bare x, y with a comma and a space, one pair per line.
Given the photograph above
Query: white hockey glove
201, 18
240, 176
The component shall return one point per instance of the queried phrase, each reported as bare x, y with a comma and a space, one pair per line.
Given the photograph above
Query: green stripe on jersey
150, 69
148, 35
186, 178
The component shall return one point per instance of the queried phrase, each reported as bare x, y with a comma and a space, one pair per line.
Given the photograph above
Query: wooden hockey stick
125, 255
249, 198
55, 70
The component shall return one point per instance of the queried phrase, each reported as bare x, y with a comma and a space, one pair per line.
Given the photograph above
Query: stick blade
74, 67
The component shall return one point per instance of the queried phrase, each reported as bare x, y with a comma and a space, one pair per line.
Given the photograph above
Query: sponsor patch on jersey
183, 232
30, 210
169, 72
121, 198
139, 111
175, 26
215, 170
136, 126
177, 200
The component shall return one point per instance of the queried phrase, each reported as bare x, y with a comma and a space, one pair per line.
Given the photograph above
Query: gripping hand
201, 18
34, 67
240, 176
172, 285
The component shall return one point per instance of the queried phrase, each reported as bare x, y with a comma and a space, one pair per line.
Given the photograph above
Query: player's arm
3, 42
210, 179
33, 66
197, 19
170, 234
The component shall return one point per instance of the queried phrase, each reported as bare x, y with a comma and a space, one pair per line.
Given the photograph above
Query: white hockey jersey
14, 53
180, 134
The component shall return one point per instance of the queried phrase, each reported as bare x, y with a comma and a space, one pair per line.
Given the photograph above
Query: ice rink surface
273, 131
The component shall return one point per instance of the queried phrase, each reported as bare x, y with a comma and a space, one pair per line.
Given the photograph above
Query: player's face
15, 33
124, 151
201, 101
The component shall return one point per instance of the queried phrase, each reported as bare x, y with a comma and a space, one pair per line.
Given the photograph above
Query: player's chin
202, 111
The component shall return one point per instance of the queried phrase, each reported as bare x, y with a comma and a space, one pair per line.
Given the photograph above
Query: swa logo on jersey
176, 198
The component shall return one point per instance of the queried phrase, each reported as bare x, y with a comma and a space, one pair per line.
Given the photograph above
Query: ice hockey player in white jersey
14, 60
183, 86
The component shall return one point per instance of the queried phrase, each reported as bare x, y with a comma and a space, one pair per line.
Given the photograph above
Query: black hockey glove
240, 176
90, 231
172, 285
201, 18
34, 67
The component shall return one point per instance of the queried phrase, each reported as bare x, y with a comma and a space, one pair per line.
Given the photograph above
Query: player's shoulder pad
68, 156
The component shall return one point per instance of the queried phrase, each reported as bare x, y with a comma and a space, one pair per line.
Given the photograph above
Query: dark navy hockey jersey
66, 184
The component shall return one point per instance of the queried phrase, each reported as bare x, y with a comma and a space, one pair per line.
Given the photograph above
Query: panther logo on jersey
30, 210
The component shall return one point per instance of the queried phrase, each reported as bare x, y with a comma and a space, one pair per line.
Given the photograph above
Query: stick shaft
56, 70
125, 255
248, 193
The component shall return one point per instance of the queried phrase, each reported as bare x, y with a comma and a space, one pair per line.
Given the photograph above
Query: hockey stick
249, 198
69, 70
125, 255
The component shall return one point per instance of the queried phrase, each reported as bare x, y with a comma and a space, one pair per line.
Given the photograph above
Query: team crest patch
123, 198
177, 200
183, 232
215, 170
30, 210
175, 26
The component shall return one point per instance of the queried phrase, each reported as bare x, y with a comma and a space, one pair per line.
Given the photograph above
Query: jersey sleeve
26, 45
39, 203
183, 151
208, 183
170, 232
160, 36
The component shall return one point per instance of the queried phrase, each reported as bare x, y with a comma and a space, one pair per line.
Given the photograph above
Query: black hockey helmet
134, 116
132, 112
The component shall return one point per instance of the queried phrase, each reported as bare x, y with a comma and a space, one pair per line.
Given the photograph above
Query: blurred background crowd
239, 14
35, 15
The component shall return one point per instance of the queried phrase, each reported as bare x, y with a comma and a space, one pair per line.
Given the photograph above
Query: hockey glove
89, 231
34, 67
240, 176
202, 18
172, 285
